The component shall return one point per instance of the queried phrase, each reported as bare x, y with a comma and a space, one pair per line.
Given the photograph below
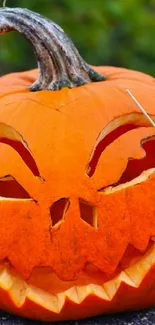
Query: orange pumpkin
77, 182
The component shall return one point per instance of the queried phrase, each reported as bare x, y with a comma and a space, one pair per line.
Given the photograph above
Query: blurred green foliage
106, 32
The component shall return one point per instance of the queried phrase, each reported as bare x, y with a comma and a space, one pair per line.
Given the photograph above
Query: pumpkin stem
60, 64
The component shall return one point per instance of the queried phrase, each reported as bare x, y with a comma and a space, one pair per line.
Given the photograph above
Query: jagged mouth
45, 289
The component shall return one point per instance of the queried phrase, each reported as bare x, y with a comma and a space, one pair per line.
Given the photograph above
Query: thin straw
141, 108
4, 3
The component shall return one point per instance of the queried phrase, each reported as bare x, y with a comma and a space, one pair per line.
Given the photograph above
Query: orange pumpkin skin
77, 188
73, 269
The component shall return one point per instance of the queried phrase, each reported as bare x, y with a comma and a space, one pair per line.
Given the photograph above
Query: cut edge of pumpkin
19, 290
145, 175
112, 131
11, 137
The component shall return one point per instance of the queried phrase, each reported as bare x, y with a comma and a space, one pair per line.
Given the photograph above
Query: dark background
106, 32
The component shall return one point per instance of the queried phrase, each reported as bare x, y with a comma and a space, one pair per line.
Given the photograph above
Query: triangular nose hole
58, 210
88, 213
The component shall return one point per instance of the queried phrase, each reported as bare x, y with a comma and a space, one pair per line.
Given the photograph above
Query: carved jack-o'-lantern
77, 182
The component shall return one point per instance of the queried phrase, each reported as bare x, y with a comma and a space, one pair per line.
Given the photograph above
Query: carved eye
11, 137
9, 187
111, 132
137, 170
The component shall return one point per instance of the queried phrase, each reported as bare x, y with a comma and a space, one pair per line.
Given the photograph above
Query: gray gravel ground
146, 317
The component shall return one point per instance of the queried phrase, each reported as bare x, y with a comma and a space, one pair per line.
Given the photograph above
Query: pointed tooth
112, 286
138, 271
91, 289
82, 292
126, 279
61, 300
72, 294
18, 291
136, 274
43, 299
99, 291
6, 280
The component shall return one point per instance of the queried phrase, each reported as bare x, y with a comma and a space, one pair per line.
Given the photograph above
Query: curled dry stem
59, 62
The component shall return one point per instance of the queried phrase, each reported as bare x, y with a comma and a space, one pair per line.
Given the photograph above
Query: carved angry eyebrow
13, 138
115, 129
111, 132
